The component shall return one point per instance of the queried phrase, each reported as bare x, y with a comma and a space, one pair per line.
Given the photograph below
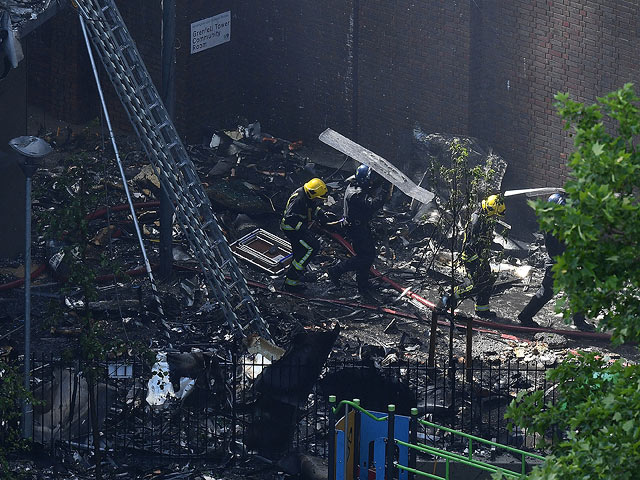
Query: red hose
118, 208
495, 325
98, 213
17, 283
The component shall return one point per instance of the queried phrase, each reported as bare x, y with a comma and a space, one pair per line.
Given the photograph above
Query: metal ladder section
172, 164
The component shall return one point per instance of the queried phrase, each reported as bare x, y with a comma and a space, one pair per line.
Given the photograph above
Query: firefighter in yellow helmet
302, 207
478, 238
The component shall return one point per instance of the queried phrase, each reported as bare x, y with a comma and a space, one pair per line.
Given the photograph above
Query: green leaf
628, 426
597, 411
597, 149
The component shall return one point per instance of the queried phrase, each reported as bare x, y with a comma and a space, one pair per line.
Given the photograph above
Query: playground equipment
359, 447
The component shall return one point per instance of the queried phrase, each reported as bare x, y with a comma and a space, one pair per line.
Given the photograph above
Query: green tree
594, 424
600, 223
75, 198
596, 421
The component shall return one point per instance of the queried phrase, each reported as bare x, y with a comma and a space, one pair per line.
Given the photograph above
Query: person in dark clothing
359, 207
478, 238
302, 208
545, 293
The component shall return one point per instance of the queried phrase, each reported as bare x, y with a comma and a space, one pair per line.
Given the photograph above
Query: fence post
356, 439
432, 339
469, 355
391, 444
332, 438
413, 440
234, 393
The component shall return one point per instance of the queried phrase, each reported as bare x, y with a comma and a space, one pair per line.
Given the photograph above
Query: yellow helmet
315, 188
494, 205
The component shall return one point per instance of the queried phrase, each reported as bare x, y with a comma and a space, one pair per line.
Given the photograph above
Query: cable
346, 157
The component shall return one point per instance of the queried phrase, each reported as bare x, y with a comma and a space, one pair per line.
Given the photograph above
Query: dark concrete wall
62, 82
13, 94
207, 94
59, 78
295, 65
371, 70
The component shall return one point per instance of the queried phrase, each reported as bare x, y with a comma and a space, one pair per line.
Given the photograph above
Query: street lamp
31, 150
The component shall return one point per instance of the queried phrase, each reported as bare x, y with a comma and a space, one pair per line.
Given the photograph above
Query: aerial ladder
171, 162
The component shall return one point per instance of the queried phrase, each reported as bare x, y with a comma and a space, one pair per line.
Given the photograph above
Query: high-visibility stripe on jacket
298, 212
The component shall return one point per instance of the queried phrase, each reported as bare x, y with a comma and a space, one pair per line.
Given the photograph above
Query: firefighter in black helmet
359, 207
545, 293
302, 207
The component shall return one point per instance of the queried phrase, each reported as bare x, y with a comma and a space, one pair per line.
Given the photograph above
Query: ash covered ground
248, 184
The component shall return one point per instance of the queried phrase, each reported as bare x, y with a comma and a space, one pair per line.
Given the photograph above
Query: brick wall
371, 70
414, 67
404, 62
295, 65
526, 51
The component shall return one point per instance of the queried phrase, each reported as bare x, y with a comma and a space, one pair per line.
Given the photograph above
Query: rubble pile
248, 176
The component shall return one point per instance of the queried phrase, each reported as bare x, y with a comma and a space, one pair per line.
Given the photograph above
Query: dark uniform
298, 214
478, 238
545, 293
359, 208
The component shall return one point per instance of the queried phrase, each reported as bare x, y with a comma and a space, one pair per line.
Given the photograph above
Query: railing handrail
355, 405
455, 457
448, 456
360, 409
481, 440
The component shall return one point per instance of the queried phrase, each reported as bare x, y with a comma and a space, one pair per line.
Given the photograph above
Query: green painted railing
436, 452
471, 438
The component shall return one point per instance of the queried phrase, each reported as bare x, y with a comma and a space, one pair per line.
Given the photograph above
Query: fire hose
477, 321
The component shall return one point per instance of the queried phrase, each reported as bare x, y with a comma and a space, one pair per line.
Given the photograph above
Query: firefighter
302, 208
545, 293
478, 239
360, 204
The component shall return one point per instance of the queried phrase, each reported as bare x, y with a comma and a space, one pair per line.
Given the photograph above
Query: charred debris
248, 176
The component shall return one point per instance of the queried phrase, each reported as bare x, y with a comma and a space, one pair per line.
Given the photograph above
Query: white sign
210, 32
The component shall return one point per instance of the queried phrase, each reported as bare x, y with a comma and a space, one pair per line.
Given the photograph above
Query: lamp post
31, 151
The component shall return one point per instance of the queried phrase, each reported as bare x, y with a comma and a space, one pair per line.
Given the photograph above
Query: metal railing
219, 415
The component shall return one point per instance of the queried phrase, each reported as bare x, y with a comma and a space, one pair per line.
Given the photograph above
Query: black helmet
363, 175
558, 198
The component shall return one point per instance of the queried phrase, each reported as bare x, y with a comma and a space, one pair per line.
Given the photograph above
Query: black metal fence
233, 407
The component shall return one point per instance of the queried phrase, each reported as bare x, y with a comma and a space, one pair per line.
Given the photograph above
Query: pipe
27, 409
120, 167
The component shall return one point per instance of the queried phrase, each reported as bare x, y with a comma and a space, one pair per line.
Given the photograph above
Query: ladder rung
242, 302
